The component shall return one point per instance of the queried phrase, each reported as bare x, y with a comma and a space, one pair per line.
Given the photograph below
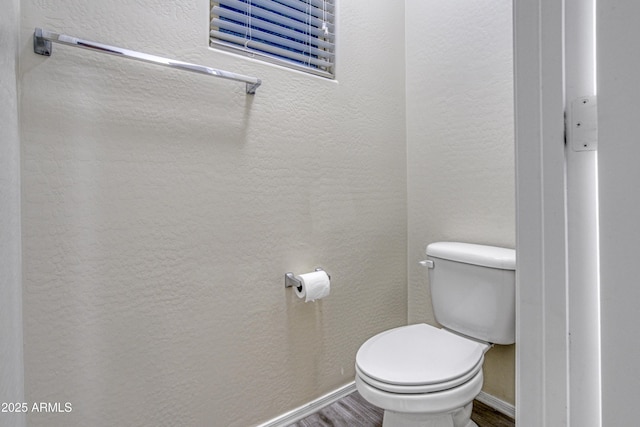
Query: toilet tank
473, 290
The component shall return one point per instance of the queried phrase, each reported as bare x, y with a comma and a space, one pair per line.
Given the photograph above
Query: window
293, 33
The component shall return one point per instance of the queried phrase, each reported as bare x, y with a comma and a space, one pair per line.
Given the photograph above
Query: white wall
161, 211
619, 175
11, 363
460, 141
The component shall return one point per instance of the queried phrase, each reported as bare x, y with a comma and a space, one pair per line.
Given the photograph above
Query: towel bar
43, 39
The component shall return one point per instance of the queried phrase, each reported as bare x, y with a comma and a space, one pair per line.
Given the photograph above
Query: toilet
426, 376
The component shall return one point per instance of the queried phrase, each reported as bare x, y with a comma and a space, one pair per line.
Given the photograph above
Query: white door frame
541, 331
558, 323
583, 289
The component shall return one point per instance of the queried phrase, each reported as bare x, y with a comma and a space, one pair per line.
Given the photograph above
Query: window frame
223, 16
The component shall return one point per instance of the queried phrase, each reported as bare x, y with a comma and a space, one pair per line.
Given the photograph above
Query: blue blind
295, 33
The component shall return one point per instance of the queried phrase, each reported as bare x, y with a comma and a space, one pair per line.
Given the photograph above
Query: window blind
294, 33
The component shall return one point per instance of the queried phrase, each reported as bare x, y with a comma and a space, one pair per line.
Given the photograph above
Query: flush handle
426, 263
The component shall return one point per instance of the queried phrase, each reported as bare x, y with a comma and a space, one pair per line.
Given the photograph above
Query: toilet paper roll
315, 285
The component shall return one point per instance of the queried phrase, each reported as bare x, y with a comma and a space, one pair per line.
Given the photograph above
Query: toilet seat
420, 389
440, 402
418, 359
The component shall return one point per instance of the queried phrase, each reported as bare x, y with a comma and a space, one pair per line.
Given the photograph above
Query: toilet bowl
421, 375
426, 376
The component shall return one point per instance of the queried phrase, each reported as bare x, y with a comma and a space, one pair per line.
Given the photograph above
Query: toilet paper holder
291, 281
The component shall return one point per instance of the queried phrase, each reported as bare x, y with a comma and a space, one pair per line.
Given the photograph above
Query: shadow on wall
112, 95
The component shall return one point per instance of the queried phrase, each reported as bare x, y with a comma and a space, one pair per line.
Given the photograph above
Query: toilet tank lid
487, 256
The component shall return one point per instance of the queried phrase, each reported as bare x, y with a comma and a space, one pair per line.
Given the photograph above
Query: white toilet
427, 376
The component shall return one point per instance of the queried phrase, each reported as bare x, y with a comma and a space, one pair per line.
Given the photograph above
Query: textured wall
618, 174
11, 364
460, 143
161, 211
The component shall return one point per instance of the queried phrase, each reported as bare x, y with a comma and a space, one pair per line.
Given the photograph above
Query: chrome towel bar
42, 45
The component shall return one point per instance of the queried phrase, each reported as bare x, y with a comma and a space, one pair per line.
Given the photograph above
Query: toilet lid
418, 355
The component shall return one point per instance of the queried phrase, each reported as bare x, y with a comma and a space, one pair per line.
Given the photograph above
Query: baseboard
497, 404
329, 398
311, 407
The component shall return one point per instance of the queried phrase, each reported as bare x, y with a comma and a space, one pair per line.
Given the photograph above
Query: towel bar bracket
251, 87
41, 46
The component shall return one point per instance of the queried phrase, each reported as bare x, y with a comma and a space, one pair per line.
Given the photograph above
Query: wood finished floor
354, 411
